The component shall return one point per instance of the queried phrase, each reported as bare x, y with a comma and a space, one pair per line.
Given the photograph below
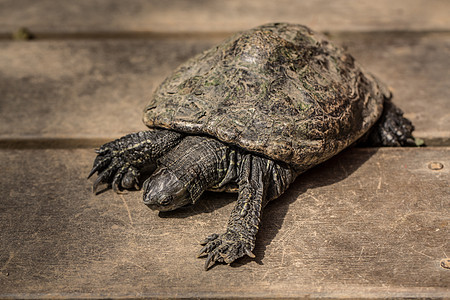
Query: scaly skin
201, 163
119, 162
391, 130
186, 170
279, 90
260, 181
187, 166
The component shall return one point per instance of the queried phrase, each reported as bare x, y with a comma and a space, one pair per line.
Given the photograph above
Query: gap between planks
86, 143
161, 35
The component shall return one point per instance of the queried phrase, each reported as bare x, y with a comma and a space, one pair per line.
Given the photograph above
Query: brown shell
280, 90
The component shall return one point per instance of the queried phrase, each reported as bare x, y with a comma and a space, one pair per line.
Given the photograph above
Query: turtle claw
118, 163
104, 173
225, 248
100, 179
208, 246
97, 182
99, 164
92, 173
210, 238
214, 258
208, 261
124, 178
114, 170
202, 252
249, 253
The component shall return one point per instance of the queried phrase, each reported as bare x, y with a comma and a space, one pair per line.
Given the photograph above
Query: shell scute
280, 90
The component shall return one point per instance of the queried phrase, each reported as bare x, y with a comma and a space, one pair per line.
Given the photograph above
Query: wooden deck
370, 223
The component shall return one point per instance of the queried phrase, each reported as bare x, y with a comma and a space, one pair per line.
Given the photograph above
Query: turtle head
163, 191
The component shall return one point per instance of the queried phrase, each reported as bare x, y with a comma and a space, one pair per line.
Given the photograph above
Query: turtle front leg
119, 162
261, 180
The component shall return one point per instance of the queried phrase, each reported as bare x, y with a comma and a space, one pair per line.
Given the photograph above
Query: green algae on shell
280, 90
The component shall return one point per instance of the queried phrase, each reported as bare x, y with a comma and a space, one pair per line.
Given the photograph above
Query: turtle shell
280, 90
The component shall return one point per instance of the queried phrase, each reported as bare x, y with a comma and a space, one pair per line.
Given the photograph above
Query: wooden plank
368, 223
83, 89
89, 16
81, 93
417, 69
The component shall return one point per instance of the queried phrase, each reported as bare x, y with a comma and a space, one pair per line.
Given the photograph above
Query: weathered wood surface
368, 223
83, 92
94, 16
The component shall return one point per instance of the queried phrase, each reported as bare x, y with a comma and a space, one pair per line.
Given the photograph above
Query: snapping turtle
248, 116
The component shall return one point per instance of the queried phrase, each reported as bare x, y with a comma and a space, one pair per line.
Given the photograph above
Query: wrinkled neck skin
198, 164
185, 172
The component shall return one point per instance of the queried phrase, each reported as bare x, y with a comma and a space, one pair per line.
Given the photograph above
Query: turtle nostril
145, 185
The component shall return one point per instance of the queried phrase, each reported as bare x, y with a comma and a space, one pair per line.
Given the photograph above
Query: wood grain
96, 16
83, 93
370, 222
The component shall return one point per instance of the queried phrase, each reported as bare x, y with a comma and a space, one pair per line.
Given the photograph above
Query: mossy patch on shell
309, 99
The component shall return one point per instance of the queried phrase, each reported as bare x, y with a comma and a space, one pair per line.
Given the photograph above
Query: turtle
248, 116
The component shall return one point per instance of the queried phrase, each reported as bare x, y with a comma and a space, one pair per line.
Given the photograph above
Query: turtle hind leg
391, 130
118, 163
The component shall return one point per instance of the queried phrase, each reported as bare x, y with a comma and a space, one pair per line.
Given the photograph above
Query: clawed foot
225, 248
113, 167
396, 130
118, 162
392, 129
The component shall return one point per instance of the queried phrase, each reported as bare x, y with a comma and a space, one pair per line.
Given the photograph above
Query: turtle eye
166, 201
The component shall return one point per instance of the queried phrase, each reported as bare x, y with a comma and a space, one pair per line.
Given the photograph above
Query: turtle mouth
159, 201
158, 207
165, 206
